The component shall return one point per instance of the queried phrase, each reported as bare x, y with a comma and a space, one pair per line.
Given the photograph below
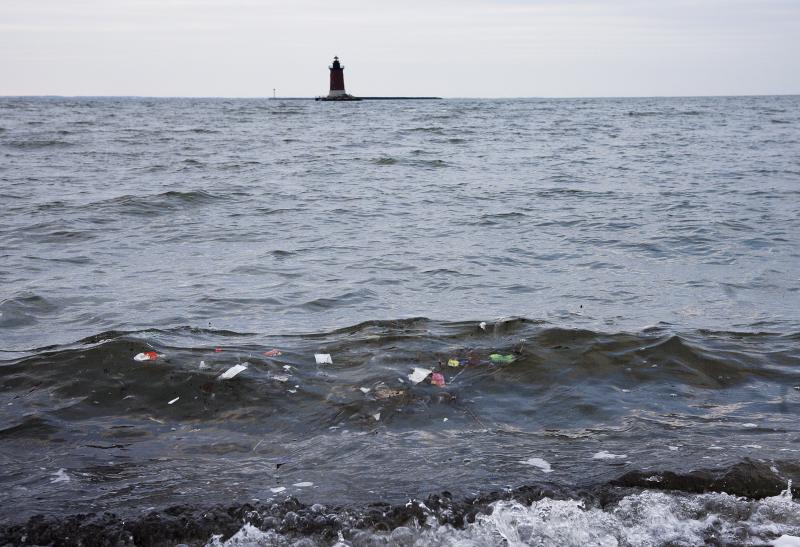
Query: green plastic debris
498, 358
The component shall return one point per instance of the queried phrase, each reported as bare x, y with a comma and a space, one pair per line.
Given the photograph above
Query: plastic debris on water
437, 379
277, 489
303, 484
323, 358
604, 455
60, 476
365, 390
502, 359
538, 462
272, 353
231, 372
453, 363
173, 400
483, 325
146, 356
377, 416
419, 374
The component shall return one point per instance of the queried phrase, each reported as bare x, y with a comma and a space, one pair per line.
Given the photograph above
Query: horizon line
444, 98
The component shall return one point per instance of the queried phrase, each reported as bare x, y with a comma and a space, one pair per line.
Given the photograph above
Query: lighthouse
337, 92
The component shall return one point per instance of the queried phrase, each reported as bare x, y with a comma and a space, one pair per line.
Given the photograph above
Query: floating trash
303, 484
218, 350
377, 416
387, 393
60, 476
453, 363
483, 325
231, 372
498, 358
539, 463
173, 400
419, 374
146, 356
365, 390
323, 358
277, 489
437, 379
280, 378
603, 455
273, 353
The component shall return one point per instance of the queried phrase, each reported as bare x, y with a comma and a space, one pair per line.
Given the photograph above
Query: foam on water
646, 519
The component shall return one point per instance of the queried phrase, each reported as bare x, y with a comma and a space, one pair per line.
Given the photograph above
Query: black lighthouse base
338, 98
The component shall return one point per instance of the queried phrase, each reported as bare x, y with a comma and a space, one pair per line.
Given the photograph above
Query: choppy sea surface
448, 322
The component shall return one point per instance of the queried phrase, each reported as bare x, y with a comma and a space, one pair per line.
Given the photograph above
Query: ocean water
600, 299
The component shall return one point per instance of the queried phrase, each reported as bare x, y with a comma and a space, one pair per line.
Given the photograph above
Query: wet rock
751, 479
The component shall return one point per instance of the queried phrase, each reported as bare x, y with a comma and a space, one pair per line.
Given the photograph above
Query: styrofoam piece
231, 372
419, 374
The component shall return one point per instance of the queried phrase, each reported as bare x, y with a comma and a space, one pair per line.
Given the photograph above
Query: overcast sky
452, 48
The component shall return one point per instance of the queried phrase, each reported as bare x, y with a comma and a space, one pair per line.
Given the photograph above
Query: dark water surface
634, 263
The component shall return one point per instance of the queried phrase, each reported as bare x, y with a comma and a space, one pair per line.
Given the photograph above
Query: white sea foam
647, 519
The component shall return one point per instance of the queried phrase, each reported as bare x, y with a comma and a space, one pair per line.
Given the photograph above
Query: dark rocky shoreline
193, 525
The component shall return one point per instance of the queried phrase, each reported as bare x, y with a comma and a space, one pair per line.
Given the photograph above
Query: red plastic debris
272, 353
146, 356
218, 350
437, 379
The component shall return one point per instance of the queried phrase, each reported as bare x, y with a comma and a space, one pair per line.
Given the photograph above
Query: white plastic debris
60, 476
603, 455
146, 356
323, 358
280, 378
287, 368
365, 390
483, 325
419, 374
377, 416
231, 372
538, 462
303, 484
203, 365
277, 489
173, 400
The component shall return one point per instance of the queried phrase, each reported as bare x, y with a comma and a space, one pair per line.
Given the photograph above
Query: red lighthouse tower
337, 92
337, 79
